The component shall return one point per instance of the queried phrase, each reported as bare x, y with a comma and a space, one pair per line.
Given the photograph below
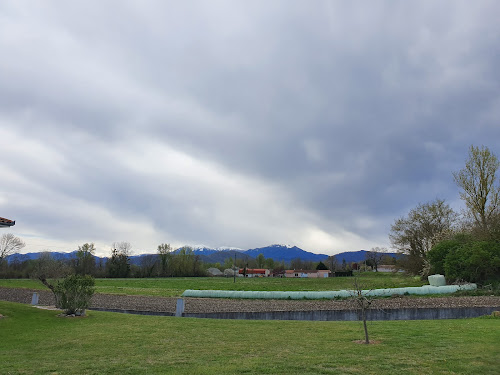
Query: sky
238, 123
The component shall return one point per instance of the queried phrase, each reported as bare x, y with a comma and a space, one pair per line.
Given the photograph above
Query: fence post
179, 310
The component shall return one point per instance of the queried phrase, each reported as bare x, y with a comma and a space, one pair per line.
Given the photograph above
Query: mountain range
209, 255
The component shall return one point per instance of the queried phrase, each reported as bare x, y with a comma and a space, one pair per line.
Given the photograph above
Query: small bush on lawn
73, 293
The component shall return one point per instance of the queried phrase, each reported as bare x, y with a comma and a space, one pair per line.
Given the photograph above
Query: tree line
165, 262
463, 246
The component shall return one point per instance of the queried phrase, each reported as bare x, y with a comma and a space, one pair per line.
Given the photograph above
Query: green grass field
174, 287
34, 341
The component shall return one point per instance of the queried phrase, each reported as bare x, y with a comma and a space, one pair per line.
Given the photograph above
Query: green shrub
73, 293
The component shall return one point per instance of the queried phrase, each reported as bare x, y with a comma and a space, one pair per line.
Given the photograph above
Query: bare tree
359, 296
375, 256
9, 244
415, 234
480, 187
333, 263
122, 247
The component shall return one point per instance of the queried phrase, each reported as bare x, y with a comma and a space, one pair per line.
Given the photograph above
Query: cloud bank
238, 124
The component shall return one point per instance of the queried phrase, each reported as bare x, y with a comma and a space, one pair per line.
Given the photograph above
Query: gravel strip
209, 305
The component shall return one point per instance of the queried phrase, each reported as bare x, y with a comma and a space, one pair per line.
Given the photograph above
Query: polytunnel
422, 290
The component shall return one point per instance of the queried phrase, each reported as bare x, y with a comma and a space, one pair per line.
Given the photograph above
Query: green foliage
35, 341
474, 261
261, 260
118, 265
321, 266
439, 252
73, 293
85, 261
466, 258
164, 253
186, 263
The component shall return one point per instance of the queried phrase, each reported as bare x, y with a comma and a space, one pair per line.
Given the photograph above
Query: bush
73, 293
466, 258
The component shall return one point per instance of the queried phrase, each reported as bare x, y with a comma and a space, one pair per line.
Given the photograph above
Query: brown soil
208, 305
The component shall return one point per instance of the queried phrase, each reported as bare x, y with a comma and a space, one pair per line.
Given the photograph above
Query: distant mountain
30, 256
286, 253
56, 255
358, 256
219, 255
276, 252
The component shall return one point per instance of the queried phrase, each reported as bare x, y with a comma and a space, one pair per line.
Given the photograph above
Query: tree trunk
364, 325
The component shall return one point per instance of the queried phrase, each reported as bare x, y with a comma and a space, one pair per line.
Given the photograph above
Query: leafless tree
480, 186
9, 244
333, 263
122, 247
374, 256
415, 234
362, 301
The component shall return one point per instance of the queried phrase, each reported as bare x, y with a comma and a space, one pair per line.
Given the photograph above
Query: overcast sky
238, 123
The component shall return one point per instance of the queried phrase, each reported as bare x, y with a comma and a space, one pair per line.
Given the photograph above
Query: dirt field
207, 305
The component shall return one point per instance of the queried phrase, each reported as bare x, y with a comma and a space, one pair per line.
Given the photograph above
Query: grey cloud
353, 113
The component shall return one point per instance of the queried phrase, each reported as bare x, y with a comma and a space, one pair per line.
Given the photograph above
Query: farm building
254, 272
214, 272
307, 273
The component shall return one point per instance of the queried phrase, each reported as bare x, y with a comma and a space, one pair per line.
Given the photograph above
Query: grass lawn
174, 287
34, 341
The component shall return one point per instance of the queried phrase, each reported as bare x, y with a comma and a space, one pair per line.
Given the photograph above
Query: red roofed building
254, 272
4, 223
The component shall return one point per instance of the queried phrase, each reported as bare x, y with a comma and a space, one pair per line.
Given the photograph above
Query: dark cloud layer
239, 124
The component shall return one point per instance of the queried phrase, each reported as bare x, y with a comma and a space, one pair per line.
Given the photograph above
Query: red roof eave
6, 222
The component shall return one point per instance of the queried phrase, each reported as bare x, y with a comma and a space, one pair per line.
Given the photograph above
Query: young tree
480, 187
359, 296
415, 234
9, 244
74, 293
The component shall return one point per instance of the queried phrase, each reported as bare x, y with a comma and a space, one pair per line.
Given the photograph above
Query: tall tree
119, 263
9, 244
164, 251
123, 247
480, 187
261, 260
415, 234
85, 261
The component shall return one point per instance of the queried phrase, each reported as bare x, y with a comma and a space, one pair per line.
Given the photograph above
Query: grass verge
174, 287
36, 341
